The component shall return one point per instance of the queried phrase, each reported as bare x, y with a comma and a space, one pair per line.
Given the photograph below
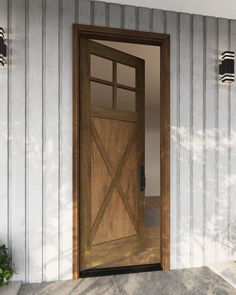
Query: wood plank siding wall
36, 132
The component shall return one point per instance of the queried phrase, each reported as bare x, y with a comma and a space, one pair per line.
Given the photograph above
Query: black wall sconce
3, 48
226, 68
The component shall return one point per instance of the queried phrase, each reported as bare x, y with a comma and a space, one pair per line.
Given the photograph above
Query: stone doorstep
12, 289
226, 270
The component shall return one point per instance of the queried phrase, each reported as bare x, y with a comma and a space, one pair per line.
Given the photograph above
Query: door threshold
98, 272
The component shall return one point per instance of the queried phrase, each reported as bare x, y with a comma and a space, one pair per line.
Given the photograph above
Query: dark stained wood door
112, 154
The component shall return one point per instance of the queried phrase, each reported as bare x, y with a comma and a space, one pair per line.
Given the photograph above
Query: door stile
85, 151
140, 129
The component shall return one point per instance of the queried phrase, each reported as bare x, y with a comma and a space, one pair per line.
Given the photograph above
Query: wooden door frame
128, 36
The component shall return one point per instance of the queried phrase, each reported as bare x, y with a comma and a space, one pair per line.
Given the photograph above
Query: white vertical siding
67, 18
144, 19
17, 137
36, 132
172, 28
115, 15
4, 136
196, 180
232, 180
84, 13
210, 155
222, 148
130, 17
99, 13
51, 148
158, 21
184, 138
34, 167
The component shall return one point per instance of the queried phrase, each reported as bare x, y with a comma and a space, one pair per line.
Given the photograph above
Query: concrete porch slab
12, 289
195, 281
226, 270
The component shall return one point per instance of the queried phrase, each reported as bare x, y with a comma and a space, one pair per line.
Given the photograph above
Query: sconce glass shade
226, 68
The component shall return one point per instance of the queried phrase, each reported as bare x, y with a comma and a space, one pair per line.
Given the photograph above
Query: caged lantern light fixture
3, 48
226, 68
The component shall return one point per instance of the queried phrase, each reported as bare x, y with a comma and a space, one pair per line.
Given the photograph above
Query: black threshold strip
98, 272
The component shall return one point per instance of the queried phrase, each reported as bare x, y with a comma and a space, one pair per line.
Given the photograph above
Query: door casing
128, 36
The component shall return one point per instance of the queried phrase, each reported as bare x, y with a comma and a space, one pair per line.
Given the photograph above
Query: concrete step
12, 289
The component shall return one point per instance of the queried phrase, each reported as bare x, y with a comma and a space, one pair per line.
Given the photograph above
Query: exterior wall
202, 7
36, 133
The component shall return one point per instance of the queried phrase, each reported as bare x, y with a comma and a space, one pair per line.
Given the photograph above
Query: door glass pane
125, 75
101, 95
101, 68
126, 100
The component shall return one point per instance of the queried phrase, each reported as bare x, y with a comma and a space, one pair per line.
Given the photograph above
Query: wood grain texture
115, 34
114, 79
149, 254
109, 213
116, 55
165, 154
127, 246
113, 146
101, 177
140, 108
114, 224
150, 251
128, 185
85, 153
114, 115
101, 181
120, 160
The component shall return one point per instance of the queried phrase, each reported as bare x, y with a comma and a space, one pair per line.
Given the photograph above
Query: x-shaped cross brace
115, 174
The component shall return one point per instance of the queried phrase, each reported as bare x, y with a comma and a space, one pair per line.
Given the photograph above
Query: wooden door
112, 155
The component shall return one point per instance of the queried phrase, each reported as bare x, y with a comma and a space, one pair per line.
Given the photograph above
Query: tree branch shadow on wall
198, 150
